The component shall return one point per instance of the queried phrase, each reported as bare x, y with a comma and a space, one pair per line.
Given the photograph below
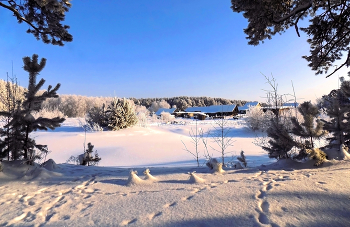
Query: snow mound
344, 155
148, 176
134, 179
215, 166
19, 170
195, 179
40, 173
50, 165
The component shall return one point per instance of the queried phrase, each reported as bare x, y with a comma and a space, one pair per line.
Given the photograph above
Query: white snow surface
283, 193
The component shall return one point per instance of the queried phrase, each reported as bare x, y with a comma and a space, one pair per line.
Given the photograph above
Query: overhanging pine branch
19, 16
295, 11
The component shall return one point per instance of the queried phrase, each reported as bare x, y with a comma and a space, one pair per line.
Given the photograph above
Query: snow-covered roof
165, 110
247, 105
292, 104
212, 109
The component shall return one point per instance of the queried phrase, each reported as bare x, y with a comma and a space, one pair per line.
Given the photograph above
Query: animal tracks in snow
268, 182
43, 204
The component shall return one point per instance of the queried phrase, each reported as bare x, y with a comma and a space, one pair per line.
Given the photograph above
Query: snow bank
148, 176
195, 179
19, 170
134, 179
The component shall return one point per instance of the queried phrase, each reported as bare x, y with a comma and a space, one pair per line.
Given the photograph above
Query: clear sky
160, 48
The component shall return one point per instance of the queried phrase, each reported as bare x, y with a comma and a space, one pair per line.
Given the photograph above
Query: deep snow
283, 193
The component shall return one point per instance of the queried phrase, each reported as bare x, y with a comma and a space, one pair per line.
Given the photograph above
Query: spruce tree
120, 115
23, 123
11, 96
89, 159
311, 128
337, 125
344, 102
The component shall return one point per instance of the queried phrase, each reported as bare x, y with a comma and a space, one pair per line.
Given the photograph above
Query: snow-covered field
156, 145
281, 193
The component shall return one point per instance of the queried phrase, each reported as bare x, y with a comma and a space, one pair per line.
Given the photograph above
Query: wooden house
213, 111
161, 110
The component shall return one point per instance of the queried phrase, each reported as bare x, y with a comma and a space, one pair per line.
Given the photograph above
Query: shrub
316, 154
242, 159
121, 114
87, 158
257, 120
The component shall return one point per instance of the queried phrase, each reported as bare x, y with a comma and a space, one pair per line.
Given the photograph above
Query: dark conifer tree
281, 142
89, 158
23, 122
337, 125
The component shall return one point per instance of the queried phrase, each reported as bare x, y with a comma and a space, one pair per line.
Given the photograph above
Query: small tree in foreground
22, 123
280, 143
220, 134
338, 124
242, 159
87, 158
311, 128
196, 138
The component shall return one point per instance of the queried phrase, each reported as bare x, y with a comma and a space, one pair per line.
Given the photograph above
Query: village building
283, 108
245, 108
161, 110
209, 111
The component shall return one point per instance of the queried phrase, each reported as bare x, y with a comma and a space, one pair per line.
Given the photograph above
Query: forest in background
78, 105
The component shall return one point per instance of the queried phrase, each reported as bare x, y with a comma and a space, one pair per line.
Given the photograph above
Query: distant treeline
78, 106
182, 102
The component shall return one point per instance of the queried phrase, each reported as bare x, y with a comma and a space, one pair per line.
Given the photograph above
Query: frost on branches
258, 120
121, 114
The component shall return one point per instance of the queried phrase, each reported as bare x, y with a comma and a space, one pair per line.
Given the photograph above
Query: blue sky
158, 48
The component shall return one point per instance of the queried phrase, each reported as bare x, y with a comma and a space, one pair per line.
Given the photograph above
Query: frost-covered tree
121, 114
44, 18
156, 105
257, 119
328, 27
311, 128
142, 114
166, 117
22, 123
97, 115
10, 91
220, 135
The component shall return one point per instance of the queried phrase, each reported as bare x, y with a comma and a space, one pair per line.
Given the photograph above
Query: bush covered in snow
143, 114
215, 166
119, 114
257, 119
166, 117
156, 105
